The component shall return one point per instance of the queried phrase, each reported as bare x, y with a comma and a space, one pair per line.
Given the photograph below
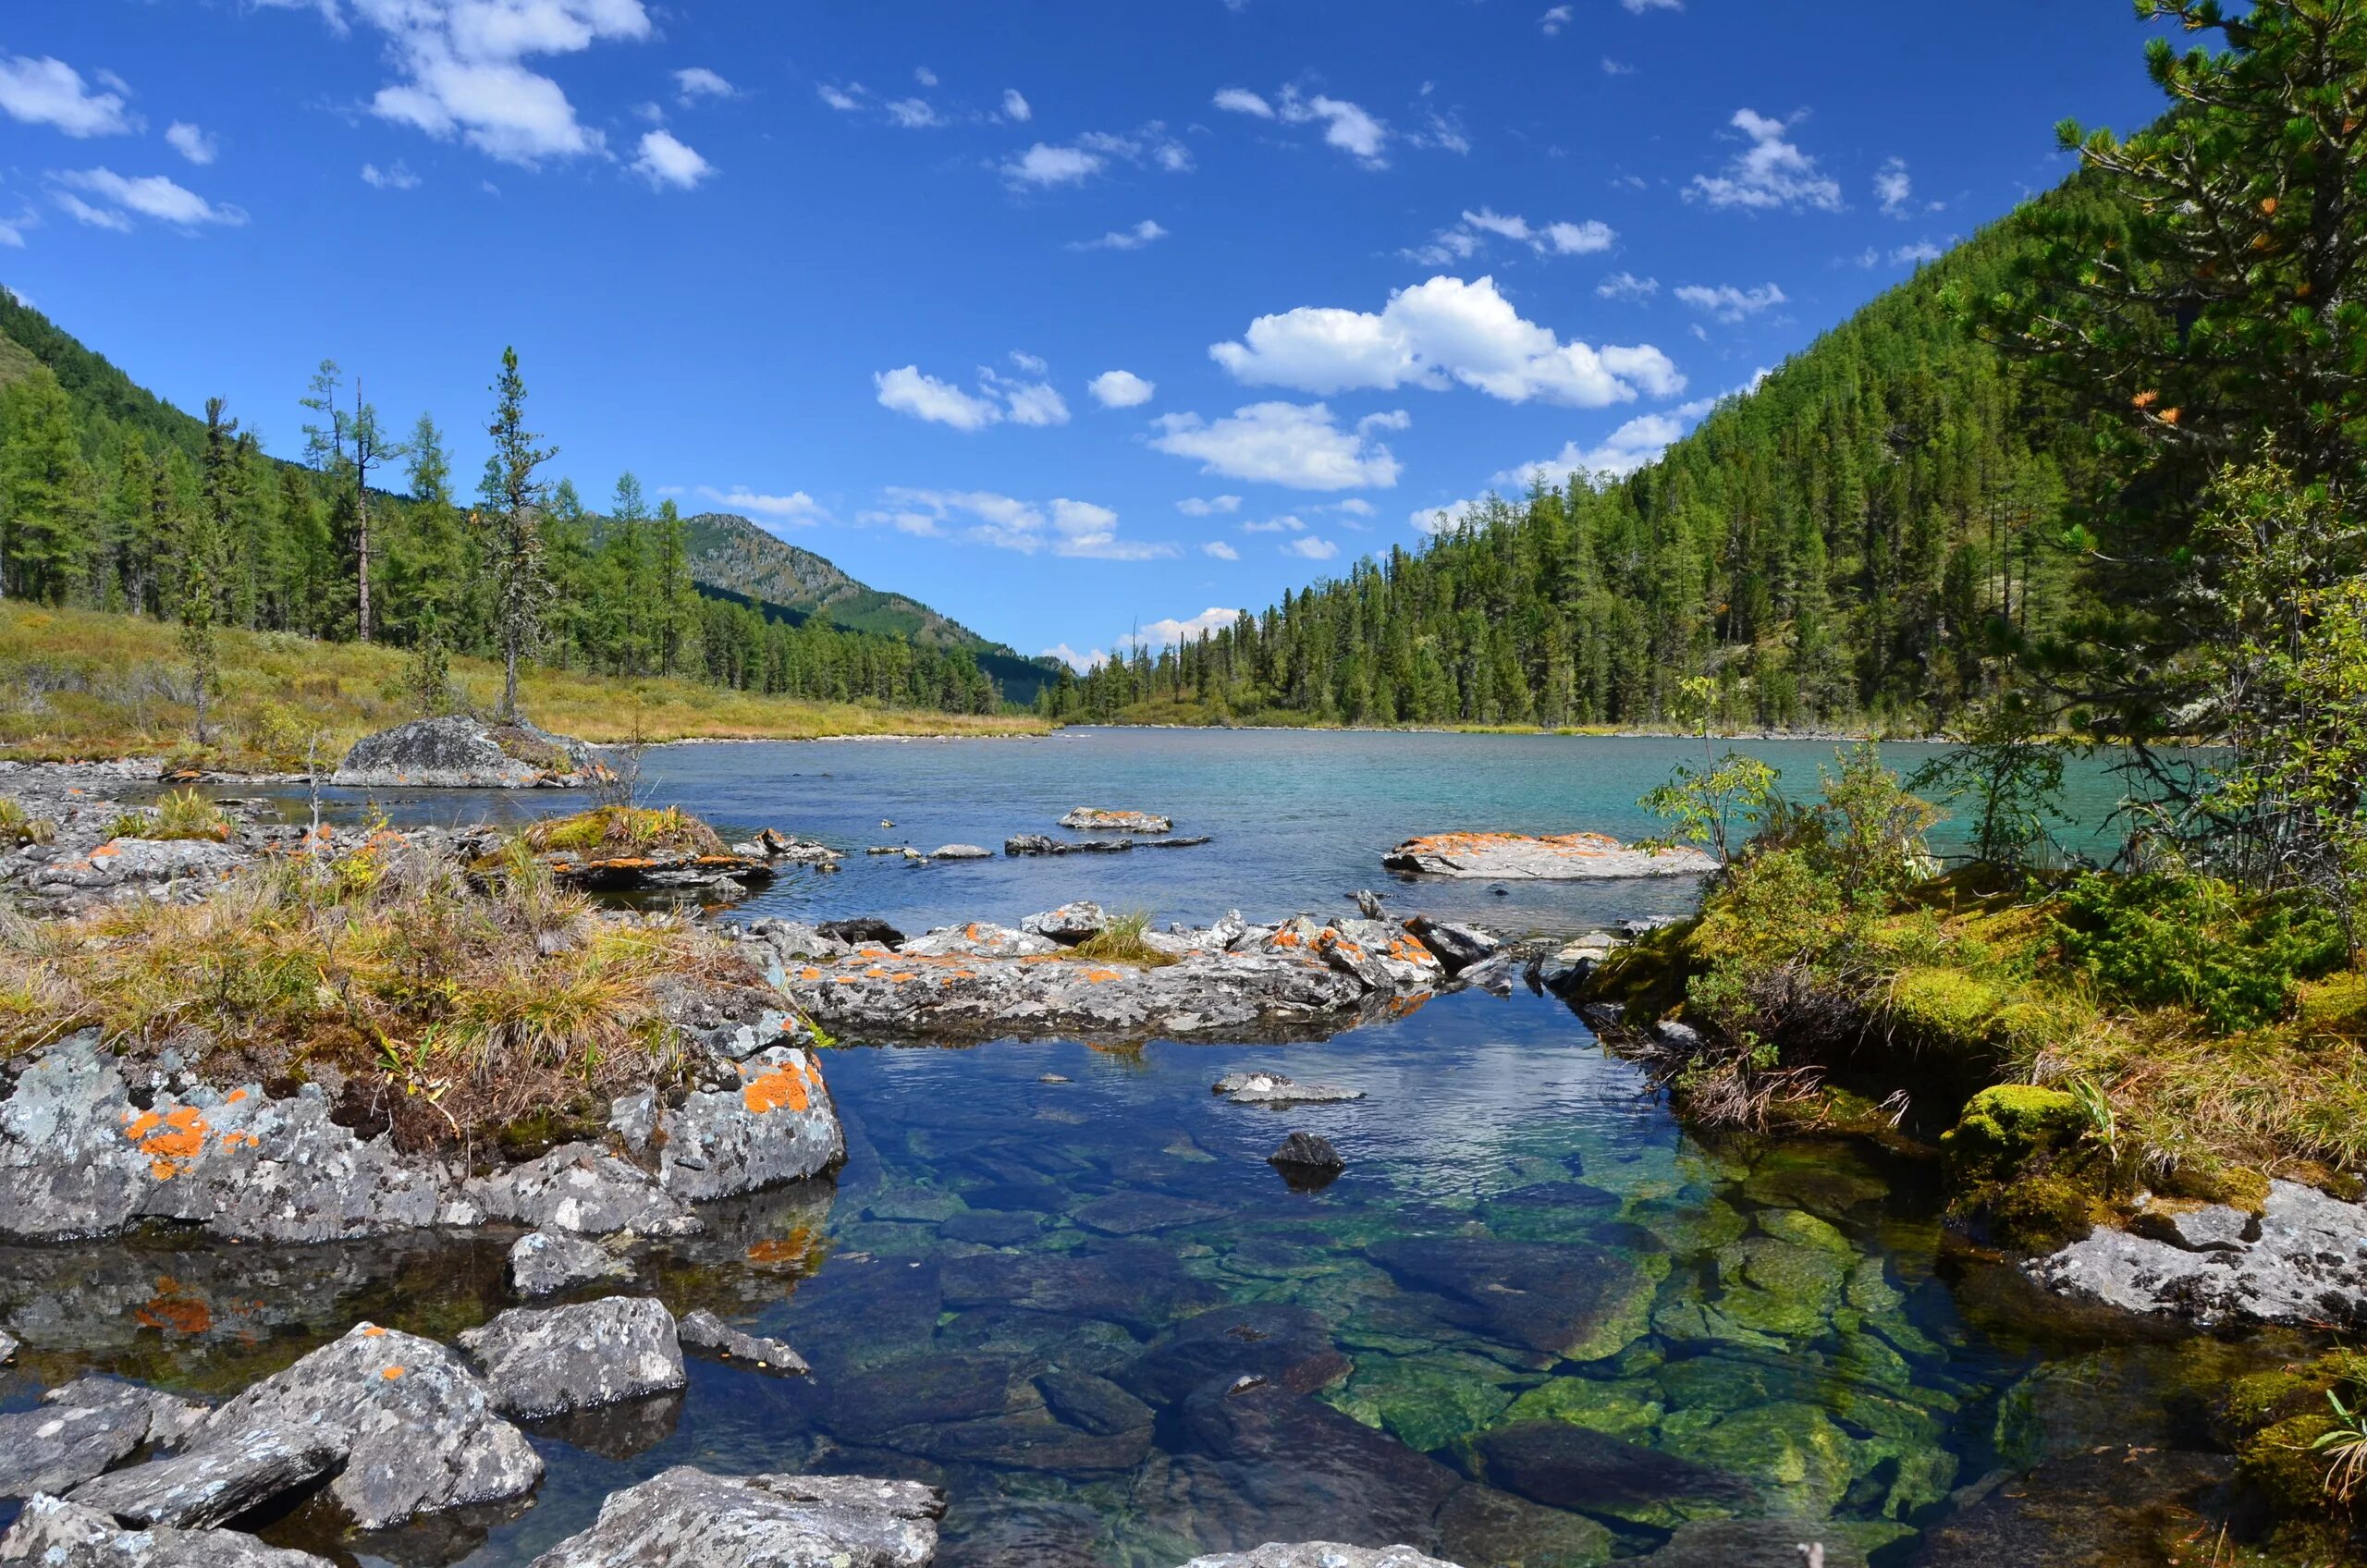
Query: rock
459, 753
216, 1483
1270, 1342
543, 1261
1272, 1088
78, 1159
777, 1126
1320, 1554
1675, 1036
2208, 1228
1308, 1151
2308, 1265
634, 1118
1023, 844
57, 1534
1369, 904
1494, 976
790, 938
124, 868
549, 1360
687, 1518
960, 852
1520, 856
1191, 843
1093, 819
1133, 1213
1068, 925
1771, 1543
584, 1191
419, 1430
778, 845
1139, 1285
1094, 1404
83, 1429
1480, 1525
865, 931
2109, 1505
979, 939
1457, 947
1020, 844
9, 1345
1566, 1301
704, 1331
1565, 1466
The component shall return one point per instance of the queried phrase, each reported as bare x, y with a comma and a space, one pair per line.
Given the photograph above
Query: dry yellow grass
82, 684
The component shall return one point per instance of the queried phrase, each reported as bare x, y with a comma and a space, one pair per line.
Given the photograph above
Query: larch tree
518, 582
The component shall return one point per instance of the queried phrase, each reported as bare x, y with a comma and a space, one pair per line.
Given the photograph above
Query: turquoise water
1045, 1264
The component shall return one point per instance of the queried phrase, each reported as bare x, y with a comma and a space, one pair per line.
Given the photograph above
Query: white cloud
1627, 285
1134, 239
1553, 22
1727, 303
396, 175
1220, 550
12, 235
1633, 446
1464, 240
1076, 528
1167, 631
1920, 250
1241, 100
1215, 506
914, 114
1044, 165
1616, 67
151, 196
1353, 507
1309, 547
1346, 125
1770, 173
1435, 334
190, 142
1443, 519
669, 164
925, 76
1034, 403
845, 99
796, 508
329, 11
1892, 187
908, 391
49, 91
1121, 389
1276, 525
1075, 661
1292, 444
694, 83
1014, 106
1034, 364
1640, 6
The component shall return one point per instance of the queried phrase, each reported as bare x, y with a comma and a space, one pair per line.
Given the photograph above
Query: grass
182, 814
1121, 941
614, 831
83, 684
19, 827
447, 1007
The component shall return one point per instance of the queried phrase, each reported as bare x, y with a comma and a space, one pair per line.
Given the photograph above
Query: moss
2208, 1180
625, 830
1802, 1461
1945, 1008
1630, 1408
1648, 977
2004, 1129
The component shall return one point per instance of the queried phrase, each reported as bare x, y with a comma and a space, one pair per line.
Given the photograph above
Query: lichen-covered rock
704, 1331
418, 1429
9, 1345
460, 752
1521, 856
687, 1518
1457, 947
54, 1533
216, 1483
2307, 1266
582, 1190
1272, 1088
172, 870
778, 1125
1320, 1554
1094, 819
1068, 925
979, 939
544, 1261
961, 851
547, 1361
81, 1429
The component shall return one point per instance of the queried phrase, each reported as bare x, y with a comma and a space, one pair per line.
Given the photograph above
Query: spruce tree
520, 585
44, 503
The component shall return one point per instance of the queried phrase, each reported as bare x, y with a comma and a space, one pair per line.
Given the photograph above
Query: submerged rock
1521, 856
1565, 1466
2110, 1505
56, 1533
1771, 1543
704, 1331
544, 1261
547, 1361
1564, 1301
418, 1430
1320, 1554
2307, 1263
216, 1483
687, 1518
459, 753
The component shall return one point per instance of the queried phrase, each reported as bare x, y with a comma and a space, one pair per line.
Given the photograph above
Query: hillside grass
79, 685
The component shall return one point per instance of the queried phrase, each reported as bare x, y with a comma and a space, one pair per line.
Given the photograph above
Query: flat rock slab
83, 1429
687, 1518
704, 1331
1320, 1554
979, 939
1094, 819
1565, 857
1272, 1344
547, 1361
584, 1190
419, 1430
2306, 1264
1136, 1213
1565, 1300
1563, 1466
459, 753
57, 1534
216, 1483
544, 1261
1272, 1088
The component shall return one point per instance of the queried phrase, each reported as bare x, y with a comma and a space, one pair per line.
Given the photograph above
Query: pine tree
520, 585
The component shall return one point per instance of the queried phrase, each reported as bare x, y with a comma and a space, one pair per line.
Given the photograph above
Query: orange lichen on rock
784, 1086
391, 1373
174, 1310
167, 1139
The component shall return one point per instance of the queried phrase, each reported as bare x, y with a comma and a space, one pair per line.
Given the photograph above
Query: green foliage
519, 583
2199, 942
182, 814
19, 827
427, 689
2010, 767
1121, 941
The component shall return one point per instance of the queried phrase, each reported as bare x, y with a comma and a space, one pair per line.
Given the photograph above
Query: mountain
729, 551
1020, 680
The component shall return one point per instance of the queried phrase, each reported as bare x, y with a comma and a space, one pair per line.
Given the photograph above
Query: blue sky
1065, 316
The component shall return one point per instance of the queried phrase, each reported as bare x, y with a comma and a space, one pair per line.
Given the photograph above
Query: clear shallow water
1000, 1292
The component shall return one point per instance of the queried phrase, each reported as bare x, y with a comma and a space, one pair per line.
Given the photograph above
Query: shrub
625, 830
2158, 939
1121, 941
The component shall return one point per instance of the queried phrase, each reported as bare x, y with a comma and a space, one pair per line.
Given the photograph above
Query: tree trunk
362, 552
509, 679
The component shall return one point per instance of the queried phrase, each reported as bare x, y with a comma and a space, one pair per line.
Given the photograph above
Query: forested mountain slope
1838, 546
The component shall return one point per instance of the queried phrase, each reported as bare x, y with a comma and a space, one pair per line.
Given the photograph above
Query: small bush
183, 814
625, 830
1121, 941
2194, 941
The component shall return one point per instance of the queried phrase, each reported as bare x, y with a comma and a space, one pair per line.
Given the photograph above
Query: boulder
216, 1483
1564, 1301
863, 931
418, 1432
1320, 1554
2306, 1263
979, 939
1263, 1342
960, 852
460, 752
83, 1429
584, 1191
1093, 819
544, 1261
1528, 857
777, 1126
2197, 1228
1068, 925
1568, 1467
57, 1534
1092, 1403
549, 1361
687, 1518
1457, 947
704, 1331
1308, 1151
9, 1345
1272, 1088
2108, 1505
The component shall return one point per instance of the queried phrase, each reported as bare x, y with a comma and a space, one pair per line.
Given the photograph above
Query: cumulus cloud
1034, 403
1436, 334
843, 99
1640, 6
1346, 125
1213, 505
914, 114
1220, 550
1065, 526
1892, 187
192, 143
1121, 389
1553, 22
1770, 174
795, 509
1627, 285
396, 175
1467, 238
1047, 164
668, 164
1166, 632
1044, 165
1134, 239
1308, 547
1073, 659
1297, 445
1633, 446
49, 91
1726, 303
1014, 106
117, 200
999, 399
